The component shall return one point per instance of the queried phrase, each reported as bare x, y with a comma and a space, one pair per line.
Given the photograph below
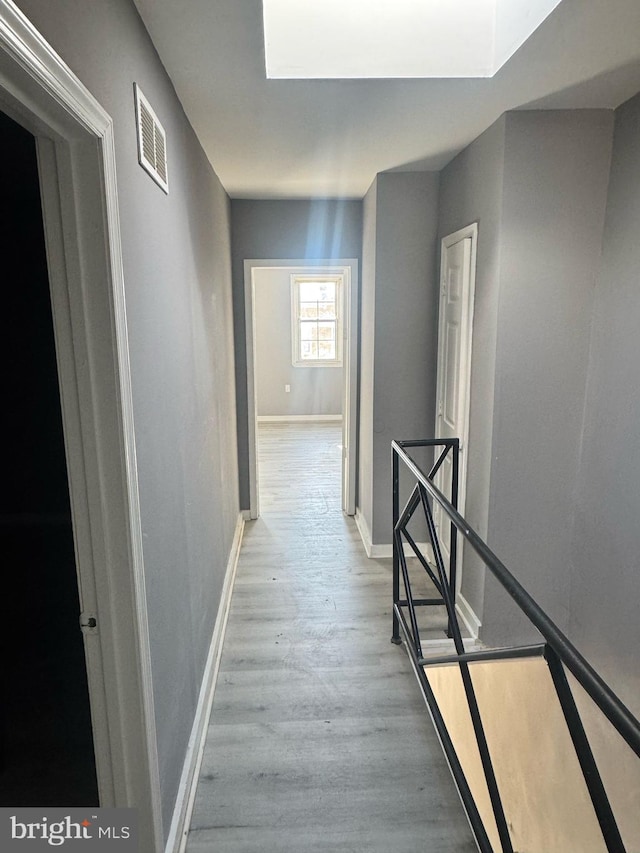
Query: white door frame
348, 266
464, 373
76, 158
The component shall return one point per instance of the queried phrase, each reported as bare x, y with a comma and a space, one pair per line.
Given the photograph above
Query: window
316, 320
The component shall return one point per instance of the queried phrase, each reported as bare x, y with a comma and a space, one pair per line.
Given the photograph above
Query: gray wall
400, 299
315, 390
562, 496
537, 182
320, 228
178, 292
556, 461
554, 194
471, 191
605, 578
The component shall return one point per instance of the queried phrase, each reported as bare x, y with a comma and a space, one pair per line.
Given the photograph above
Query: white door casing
455, 328
76, 160
350, 385
348, 269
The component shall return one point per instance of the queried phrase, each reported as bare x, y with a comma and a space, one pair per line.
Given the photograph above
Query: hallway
318, 739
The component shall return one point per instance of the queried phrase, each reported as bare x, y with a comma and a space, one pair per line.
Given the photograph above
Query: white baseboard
246, 514
464, 609
295, 418
363, 530
179, 829
384, 551
468, 616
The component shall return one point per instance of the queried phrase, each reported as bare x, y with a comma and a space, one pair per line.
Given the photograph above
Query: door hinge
89, 623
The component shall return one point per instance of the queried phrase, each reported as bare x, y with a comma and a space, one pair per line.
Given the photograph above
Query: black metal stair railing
556, 648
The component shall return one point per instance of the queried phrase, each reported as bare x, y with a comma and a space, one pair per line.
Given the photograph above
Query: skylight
324, 39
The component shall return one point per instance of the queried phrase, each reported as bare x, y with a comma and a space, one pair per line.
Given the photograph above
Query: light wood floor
319, 739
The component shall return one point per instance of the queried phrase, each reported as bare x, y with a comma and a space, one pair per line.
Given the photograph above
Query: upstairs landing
319, 739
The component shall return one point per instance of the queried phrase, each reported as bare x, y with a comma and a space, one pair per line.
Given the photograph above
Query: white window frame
296, 359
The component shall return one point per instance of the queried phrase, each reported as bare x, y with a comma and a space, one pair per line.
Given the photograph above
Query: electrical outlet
287, 389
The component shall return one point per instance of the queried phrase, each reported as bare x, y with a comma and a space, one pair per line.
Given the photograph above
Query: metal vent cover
152, 141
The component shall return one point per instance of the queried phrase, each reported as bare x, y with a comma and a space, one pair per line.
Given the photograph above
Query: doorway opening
49, 753
76, 165
301, 328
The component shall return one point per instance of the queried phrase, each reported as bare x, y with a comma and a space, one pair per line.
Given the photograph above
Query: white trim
384, 550
57, 262
363, 530
446, 646
246, 514
464, 372
252, 403
265, 419
468, 616
179, 830
350, 352
423, 547
348, 267
468, 232
80, 209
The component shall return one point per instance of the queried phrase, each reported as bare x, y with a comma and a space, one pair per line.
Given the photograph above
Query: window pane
317, 291
308, 331
308, 310
326, 310
327, 349
308, 350
326, 331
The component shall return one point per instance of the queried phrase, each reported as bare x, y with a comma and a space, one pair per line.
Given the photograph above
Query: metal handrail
557, 649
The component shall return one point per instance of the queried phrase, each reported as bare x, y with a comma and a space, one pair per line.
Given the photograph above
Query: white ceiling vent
152, 141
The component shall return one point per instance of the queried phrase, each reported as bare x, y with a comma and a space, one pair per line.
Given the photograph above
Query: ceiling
322, 39
329, 138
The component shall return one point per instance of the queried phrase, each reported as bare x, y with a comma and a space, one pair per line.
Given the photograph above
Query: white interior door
455, 325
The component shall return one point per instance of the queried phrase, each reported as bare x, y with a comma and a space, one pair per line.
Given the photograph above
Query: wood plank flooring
318, 739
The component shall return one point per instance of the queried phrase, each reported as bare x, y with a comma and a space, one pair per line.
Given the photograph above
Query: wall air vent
152, 141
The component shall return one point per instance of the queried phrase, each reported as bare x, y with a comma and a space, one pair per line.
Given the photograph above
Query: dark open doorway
47, 747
